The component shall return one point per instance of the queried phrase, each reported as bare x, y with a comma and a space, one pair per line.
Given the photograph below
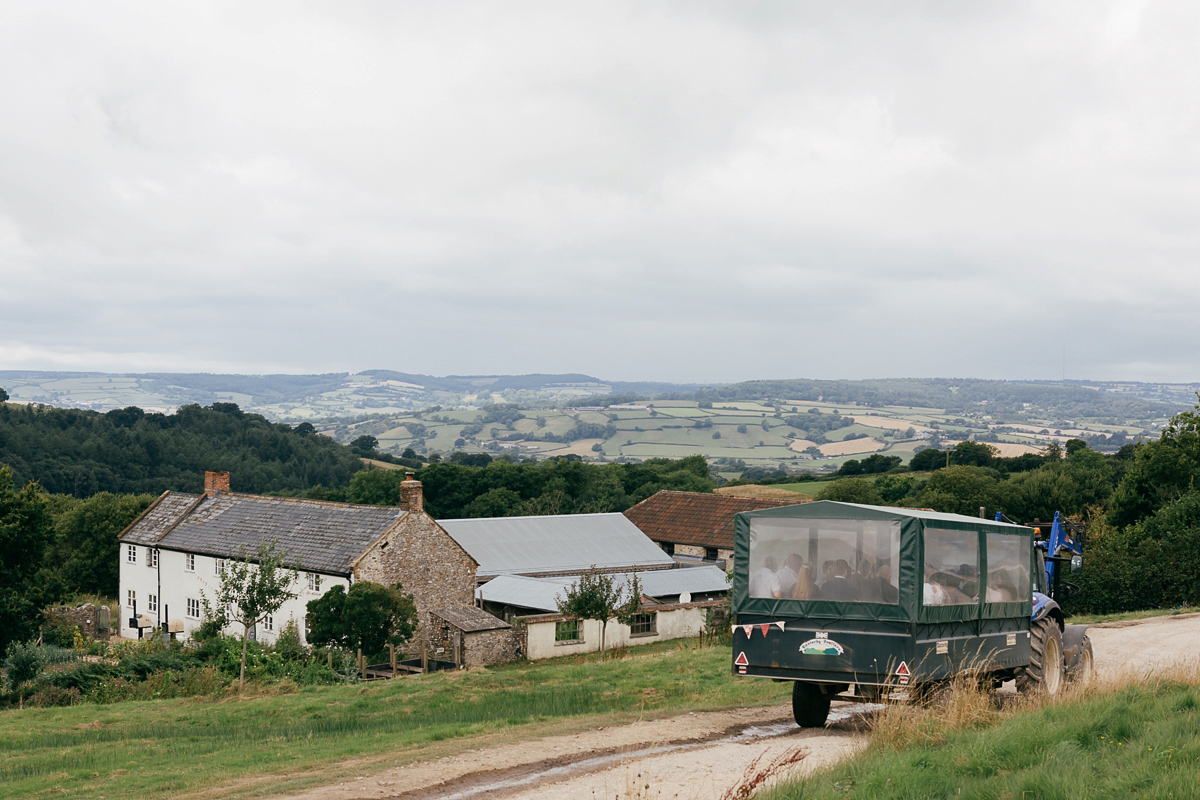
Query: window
1008, 568
193, 608
668, 548
846, 560
131, 554
269, 622
567, 630
189, 562
130, 598
710, 554
152, 602
951, 568
219, 566
151, 557
314, 582
644, 625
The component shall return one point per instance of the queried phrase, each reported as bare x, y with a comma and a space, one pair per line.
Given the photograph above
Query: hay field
887, 423
851, 447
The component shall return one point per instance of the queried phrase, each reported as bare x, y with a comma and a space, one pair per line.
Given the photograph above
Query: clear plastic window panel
951, 568
1008, 559
825, 559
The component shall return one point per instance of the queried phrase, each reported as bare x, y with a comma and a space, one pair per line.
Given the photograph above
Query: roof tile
699, 519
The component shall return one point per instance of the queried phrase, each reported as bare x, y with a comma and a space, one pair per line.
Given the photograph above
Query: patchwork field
732, 436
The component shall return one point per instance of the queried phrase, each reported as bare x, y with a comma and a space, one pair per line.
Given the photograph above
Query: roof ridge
312, 501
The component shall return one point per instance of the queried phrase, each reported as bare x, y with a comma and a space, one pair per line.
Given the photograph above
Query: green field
1138, 740
279, 742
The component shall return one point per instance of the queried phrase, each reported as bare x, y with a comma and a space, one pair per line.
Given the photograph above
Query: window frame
193, 608
644, 624
314, 582
189, 562
151, 603
574, 626
131, 598
131, 554
151, 557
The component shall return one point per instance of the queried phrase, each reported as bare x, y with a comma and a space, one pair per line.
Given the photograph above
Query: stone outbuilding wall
428, 564
471, 637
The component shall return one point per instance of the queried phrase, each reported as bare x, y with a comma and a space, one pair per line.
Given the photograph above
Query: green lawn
1142, 740
168, 747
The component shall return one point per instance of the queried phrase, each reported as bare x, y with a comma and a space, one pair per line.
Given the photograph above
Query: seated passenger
764, 583
878, 588
1001, 588
838, 587
789, 573
806, 585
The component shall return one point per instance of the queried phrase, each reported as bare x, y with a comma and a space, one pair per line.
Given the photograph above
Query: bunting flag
747, 629
780, 625
766, 626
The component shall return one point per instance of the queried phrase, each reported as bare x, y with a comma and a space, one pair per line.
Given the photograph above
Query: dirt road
699, 755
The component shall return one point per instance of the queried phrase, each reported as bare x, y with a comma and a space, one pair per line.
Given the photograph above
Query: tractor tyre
1085, 668
1046, 671
810, 706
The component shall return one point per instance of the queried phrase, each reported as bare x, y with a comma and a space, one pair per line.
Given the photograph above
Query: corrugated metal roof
470, 619
567, 543
542, 594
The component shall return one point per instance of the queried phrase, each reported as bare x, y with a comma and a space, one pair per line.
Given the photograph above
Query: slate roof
567, 543
700, 519
319, 536
470, 619
541, 594
161, 515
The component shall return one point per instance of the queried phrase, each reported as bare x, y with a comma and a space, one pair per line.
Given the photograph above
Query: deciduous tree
252, 588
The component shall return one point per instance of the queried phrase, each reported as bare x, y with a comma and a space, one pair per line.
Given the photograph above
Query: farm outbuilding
696, 525
566, 544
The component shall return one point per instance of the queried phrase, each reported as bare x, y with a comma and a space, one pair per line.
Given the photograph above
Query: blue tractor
1057, 651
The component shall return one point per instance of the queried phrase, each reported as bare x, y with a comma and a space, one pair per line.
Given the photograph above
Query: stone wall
93, 621
426, 562
499, 646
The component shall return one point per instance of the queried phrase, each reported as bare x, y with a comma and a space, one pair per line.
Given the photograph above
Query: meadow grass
1125, 737
173, 747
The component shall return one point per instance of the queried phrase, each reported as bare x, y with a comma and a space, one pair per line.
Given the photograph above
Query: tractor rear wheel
1046, 670
810, 706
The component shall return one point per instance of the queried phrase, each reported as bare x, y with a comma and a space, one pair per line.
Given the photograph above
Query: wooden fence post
392, 653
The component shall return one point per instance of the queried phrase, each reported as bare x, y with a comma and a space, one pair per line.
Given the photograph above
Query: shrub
23, 662
53, 696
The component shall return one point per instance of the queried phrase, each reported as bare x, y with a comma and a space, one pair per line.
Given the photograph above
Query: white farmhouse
172, 555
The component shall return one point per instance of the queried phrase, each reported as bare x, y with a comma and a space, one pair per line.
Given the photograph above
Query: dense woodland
128, 451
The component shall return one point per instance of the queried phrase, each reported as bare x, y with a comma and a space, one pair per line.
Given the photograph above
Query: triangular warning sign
903, 668
741, 660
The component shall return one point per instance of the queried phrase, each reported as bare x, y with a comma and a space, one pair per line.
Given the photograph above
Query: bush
23, 662
53, 696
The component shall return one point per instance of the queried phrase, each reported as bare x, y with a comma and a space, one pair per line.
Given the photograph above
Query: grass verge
1128, 740
176, 747
1093, 619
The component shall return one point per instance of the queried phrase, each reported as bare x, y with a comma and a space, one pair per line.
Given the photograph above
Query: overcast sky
641, 191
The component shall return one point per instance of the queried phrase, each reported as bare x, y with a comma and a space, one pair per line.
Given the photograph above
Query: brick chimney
216, 482
412, 497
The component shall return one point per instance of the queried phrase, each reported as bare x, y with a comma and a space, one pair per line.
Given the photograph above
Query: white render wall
672, 623
173, 584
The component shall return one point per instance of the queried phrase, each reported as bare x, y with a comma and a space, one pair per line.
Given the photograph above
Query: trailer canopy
850, 561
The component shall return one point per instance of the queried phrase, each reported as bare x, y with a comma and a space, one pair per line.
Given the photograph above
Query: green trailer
867, 601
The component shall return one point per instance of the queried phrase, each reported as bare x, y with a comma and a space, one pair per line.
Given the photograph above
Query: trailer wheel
1085, 668
810, 706
1046, 670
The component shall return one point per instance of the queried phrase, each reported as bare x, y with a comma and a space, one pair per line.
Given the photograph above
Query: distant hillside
69, 451
309, 397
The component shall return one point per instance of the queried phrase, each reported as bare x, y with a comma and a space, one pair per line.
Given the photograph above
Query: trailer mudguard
1073, 646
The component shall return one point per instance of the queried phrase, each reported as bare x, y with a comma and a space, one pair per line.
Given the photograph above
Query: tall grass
1122, 736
